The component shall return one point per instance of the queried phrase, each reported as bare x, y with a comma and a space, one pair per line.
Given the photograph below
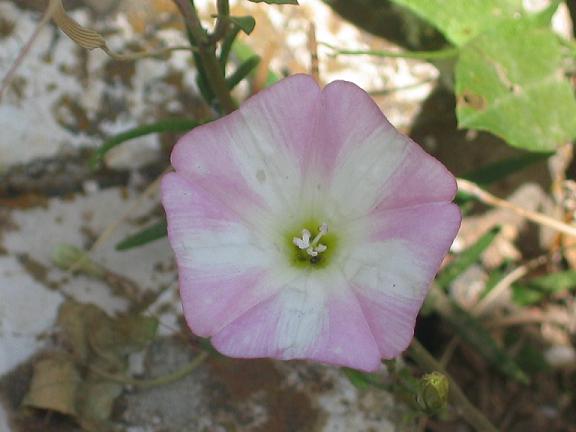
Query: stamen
314, 247
304, 242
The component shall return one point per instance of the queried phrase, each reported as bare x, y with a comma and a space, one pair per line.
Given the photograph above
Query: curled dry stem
153, 382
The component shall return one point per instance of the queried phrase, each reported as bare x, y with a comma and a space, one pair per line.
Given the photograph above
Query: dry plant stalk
536, 217
82, 36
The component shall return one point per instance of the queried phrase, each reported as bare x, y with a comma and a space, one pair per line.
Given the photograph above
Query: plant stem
469, 412
207, 55
418, 55
222, 23
154, 382
539, 218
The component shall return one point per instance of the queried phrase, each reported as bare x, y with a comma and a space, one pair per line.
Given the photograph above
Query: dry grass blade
84, 37
539, 218
91, 39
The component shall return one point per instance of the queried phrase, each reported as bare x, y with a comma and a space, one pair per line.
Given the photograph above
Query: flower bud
433, 392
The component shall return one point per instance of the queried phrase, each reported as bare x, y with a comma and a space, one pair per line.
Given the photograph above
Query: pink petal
373, 164
220, 262
392, 270
256, 155
307, 319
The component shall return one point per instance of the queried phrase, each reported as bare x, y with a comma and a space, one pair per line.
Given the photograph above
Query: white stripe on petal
363, 169
391, 266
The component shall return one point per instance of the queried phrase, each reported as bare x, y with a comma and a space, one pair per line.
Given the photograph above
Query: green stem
469, 412
167, 125
207, 55
154, 382
222, 23
419, 55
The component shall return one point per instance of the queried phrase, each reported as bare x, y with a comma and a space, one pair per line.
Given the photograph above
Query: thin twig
505, 283
539, 218
109, 230
449, 351
154, 382
468, 411
52, 6
417, 55
313, 49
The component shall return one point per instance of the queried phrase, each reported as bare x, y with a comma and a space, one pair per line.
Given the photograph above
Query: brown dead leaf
54, 385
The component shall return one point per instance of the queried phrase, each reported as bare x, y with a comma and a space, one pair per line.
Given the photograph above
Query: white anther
321, 248
313, 248
312, 252
304, 242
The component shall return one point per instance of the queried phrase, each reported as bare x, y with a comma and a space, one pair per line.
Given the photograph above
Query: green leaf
462, 20
473, 332
227, 47
244, 52
245, 23
363, 380
509, 82
500, 169
243, 71
290, 2
167, 125
536, 289
468, 257
544, 17
145, 236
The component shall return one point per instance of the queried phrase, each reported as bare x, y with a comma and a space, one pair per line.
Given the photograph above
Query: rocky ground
65, 101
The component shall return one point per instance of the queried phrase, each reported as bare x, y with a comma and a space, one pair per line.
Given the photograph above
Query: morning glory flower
306, 227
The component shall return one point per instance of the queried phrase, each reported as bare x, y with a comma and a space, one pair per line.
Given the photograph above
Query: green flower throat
312, 246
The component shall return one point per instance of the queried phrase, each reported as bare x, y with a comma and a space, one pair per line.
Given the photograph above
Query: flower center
311, 246
314, 247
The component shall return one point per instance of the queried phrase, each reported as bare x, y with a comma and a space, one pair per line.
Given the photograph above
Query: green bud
433, 392
69, 257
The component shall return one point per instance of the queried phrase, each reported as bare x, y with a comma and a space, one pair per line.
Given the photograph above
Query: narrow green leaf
468, 257
289, 2
537, 289
243, 71
145, 236
473, 332
244, 51
500, 169
495, 276
167, 125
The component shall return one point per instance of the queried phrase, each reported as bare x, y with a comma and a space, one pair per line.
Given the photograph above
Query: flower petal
256, 155
220, 260
373, 164
391, 270
313, 317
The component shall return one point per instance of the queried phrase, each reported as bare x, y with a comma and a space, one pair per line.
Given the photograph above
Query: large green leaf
461, 20
509, 82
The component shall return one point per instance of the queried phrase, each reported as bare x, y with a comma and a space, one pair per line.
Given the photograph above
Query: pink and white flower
306, 227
